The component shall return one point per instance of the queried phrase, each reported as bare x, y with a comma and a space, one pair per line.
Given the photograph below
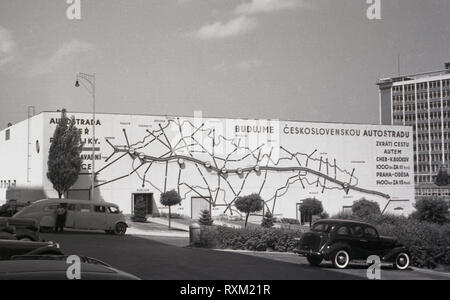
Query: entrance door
142, 206
198, 204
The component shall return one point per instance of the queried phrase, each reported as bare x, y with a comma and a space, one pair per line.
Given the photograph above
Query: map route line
184, 148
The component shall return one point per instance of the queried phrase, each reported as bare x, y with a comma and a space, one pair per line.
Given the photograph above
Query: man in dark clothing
61, 214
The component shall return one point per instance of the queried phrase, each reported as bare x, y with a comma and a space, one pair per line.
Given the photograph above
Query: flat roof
208, 117
427, 76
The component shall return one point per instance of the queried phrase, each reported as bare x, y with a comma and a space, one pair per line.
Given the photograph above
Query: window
99, 209
322, 227
357, 231
343, 230
370, 232
71, 207
85, 208
7, 134
52, 207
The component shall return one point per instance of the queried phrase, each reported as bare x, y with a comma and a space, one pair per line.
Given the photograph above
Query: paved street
148, 258
387, 272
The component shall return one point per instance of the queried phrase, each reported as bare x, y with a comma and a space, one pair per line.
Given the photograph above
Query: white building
422, 101
211, 162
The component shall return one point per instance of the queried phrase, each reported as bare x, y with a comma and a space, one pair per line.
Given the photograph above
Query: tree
64, 161
432, 210
309, 208
267, 221
442, 178
364, 208
205, 218
170, 199
249, 204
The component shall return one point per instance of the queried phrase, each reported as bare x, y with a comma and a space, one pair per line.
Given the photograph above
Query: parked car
81, 214
24, 229
10, 248
12, 207
341, 241
7, 232
54, 267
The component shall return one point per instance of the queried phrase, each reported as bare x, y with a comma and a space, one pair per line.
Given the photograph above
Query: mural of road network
231, 171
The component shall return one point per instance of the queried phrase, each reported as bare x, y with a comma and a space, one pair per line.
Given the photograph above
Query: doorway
198, 204
142, 206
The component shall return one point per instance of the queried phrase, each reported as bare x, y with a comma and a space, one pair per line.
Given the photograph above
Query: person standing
61, 215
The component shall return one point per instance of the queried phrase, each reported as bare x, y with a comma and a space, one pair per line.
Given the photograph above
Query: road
387, 272
150, 258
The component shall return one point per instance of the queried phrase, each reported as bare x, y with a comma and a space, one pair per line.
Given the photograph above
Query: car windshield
321, 227
113, 210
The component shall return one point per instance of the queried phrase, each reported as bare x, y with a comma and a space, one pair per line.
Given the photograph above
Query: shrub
365, 208
205, 218
249, 204
289, 221
166, 215
267, 221
432, 210
309, 208
253, 239
324, 215
170, 199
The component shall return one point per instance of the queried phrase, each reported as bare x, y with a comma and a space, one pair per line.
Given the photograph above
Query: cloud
60, 57
218, 30
266, 6
7, 46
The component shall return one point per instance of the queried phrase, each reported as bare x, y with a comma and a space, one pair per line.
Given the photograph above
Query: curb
174, 225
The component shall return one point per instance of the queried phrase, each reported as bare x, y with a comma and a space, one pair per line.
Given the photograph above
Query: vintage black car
54, 267
10, 248
341, 241
23, 229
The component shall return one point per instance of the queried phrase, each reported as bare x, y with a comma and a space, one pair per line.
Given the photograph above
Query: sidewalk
157, 228
165, 222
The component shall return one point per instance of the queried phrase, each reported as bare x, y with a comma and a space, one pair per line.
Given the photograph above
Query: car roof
50, 200
342, 221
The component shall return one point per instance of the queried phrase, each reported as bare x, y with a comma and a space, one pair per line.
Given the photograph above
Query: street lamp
83, 77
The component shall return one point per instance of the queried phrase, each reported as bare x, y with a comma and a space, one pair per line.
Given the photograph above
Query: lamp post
83, 77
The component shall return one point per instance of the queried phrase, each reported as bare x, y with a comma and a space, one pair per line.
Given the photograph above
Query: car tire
314, 260
120, 229
25, 239
341, 259
402, 261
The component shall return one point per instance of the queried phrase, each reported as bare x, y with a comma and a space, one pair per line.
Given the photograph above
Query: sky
309, 60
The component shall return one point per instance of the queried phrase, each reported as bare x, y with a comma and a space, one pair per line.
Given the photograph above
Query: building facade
423, 102
211, 162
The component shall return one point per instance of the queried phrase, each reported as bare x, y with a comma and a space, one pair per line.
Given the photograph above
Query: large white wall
309, 144
21, 159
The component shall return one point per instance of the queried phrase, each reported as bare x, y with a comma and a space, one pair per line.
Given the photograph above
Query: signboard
222, 159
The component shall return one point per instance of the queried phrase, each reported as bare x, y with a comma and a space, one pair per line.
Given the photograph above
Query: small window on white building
7, 134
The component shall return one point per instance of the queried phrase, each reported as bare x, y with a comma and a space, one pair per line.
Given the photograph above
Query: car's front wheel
120, 229
341, 259
314, 260
402, 261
